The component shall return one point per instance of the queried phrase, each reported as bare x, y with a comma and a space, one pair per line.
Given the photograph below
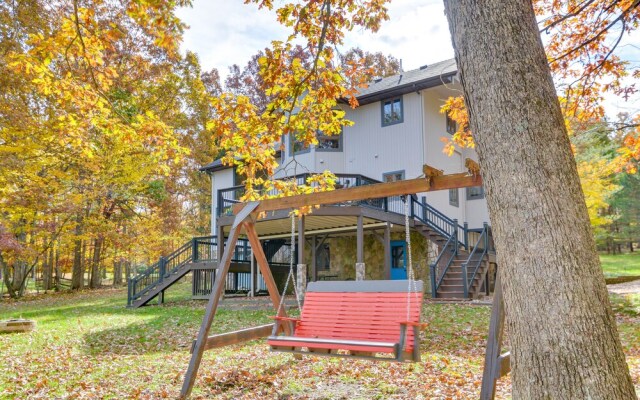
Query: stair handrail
159, 270
437, 281
484, 237
438, 219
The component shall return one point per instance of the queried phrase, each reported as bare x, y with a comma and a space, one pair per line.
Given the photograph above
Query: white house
398, 128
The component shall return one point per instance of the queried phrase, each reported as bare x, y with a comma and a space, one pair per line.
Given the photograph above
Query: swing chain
290, 276
410, 273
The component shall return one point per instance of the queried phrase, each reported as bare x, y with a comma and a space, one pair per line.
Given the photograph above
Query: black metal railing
475, 259
198, 249
439, 268
230, 196
439, 222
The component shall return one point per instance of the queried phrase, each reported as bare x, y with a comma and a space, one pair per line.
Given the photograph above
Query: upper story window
454, 200
329, 143
393, 176
297, 146
475, 193
451, 125
237, 178
392, 112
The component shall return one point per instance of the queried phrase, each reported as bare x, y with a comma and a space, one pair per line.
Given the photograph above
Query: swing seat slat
360, 317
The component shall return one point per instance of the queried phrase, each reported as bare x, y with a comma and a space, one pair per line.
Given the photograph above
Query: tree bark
563, 336
117, 273
77, 273
96, 279
57, 266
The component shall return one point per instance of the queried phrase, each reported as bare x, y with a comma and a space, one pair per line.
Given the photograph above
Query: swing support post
203, 341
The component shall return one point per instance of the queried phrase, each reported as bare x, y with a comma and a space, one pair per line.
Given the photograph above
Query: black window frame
292, 140
478, 196
454, 200
451, 126
392, 100
332, 137
385, 174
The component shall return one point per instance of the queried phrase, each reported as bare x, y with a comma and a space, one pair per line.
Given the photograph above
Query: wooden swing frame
246, 215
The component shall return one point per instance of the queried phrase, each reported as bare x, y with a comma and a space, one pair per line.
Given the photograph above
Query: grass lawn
621, 264
88, 345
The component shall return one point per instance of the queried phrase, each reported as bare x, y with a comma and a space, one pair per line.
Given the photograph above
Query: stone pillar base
301, 281
360, 270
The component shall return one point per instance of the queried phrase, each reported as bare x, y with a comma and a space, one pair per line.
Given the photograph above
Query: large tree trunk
57, 266
563, 336
77, 273
117, 273
47, 270
96, 279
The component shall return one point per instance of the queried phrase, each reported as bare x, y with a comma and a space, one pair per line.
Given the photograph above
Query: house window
323, 258
475, 193
451, 125
329, 143
238, 179
393, 176
297, 146
453, 197
392, 111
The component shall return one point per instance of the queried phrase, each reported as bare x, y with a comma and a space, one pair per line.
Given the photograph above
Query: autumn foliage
97, 117
302, 85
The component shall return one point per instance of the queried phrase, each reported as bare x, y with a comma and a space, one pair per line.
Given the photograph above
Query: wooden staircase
451, 286
457, 257
157, 288
199, 253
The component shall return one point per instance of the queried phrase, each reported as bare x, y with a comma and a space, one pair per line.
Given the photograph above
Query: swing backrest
359, 310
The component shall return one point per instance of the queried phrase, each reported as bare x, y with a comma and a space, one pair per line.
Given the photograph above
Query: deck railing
198, 249
230, 196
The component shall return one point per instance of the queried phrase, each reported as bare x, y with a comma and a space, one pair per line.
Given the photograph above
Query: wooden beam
410, 186
235, 337
212, 306
263, 264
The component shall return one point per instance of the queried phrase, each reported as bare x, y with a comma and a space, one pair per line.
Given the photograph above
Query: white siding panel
221, 180
371, 149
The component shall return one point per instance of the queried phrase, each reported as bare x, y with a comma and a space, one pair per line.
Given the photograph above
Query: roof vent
424, 67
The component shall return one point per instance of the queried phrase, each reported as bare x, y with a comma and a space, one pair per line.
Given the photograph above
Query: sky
227, 32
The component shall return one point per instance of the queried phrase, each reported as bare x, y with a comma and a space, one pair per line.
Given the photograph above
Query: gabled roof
214, 166
409, 81
425, 77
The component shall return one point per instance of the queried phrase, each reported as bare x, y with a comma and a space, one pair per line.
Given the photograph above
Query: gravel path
632, 287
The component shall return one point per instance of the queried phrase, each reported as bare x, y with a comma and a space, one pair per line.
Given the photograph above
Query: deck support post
252, 284
314, 263
301, 281
387, 251
301, 266
360, 267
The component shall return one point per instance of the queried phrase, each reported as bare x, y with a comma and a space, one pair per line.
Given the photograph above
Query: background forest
104, 124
